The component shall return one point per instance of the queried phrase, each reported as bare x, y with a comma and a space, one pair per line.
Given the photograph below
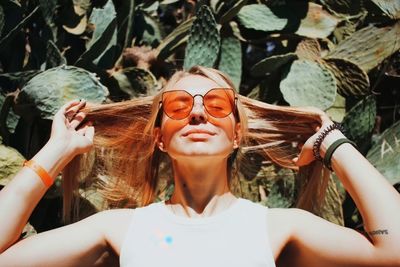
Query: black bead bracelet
321, 137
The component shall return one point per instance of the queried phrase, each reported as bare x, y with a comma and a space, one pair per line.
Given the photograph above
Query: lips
197, 131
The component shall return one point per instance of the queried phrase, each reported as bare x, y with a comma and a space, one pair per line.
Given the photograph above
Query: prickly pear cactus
45, 93
390, 8
231, 59
360, 120
308, 83
10, 163
384, 153
350, 78
260, 17
204, 41
136, 82
344, 7
271, 64
369, 46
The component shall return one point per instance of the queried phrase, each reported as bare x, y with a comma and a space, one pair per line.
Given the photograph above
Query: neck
201, 188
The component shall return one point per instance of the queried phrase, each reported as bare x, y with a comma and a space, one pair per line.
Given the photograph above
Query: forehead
195, 84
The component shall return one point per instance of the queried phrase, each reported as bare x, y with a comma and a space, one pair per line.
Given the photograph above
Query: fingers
71, 111
77, 119
67, 106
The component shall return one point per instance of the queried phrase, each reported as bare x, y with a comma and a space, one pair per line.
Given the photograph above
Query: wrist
53, 157
329, 140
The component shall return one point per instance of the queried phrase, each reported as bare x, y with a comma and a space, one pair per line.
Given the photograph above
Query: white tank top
235, 237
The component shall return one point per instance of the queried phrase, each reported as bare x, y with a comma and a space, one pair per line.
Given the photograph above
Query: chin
201, 150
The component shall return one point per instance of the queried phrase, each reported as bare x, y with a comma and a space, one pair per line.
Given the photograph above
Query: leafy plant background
341, 56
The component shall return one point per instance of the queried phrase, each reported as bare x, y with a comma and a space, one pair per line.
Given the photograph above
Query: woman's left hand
306, 155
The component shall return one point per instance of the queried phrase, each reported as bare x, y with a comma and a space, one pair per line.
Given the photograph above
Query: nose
198, 114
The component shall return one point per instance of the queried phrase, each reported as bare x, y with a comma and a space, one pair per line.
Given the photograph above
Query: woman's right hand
68, 131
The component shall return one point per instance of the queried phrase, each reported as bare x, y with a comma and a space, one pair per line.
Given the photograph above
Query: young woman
202, 126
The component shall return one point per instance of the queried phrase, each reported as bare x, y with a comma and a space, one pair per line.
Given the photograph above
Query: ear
238, 135
158, 139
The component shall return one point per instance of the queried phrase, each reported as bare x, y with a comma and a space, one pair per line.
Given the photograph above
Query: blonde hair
125, 162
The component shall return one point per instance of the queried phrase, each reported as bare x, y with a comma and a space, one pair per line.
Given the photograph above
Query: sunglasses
218, 102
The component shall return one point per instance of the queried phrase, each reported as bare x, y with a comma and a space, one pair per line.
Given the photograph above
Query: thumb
305, 156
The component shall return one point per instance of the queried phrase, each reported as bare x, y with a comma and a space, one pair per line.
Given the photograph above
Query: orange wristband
43, 174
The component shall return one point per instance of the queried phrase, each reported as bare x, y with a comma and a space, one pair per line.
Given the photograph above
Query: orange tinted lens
177, 104
219, 103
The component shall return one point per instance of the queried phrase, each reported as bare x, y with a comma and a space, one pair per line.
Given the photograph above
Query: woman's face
199, 134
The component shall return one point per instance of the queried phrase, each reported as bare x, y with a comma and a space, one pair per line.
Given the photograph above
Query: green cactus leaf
309, 84
369, 46
1, 20
45, 93
260, 17
176, 38
232, 12
308, 49
204, 40
338, 110
136, 82
390, 8
54, 57
11, 120
12, 81
100, 19
10, 163
350, 79
345, 7
271, 64
318, 23
384, 153
11, 34
104, 36
231, 59
147, 29
360, 120
101, 45
49, 11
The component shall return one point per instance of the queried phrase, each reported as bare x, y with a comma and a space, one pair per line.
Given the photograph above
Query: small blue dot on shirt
168, 239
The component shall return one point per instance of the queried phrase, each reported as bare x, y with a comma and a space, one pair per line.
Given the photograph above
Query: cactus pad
231, 59
271, 64
384, 153
390, 8
136, 82
45, 93
369, 46
204, 41
350, 79
360, 120
318, 23
10, 163
260, 17
309, 84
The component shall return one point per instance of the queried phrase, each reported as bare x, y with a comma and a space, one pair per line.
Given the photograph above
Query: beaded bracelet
332, 148
321, 137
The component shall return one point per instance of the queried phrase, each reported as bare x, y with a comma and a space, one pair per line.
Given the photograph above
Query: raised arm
21, 195
320, 243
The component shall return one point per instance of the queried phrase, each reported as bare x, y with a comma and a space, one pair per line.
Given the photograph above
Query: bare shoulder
114, 224
281, 225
